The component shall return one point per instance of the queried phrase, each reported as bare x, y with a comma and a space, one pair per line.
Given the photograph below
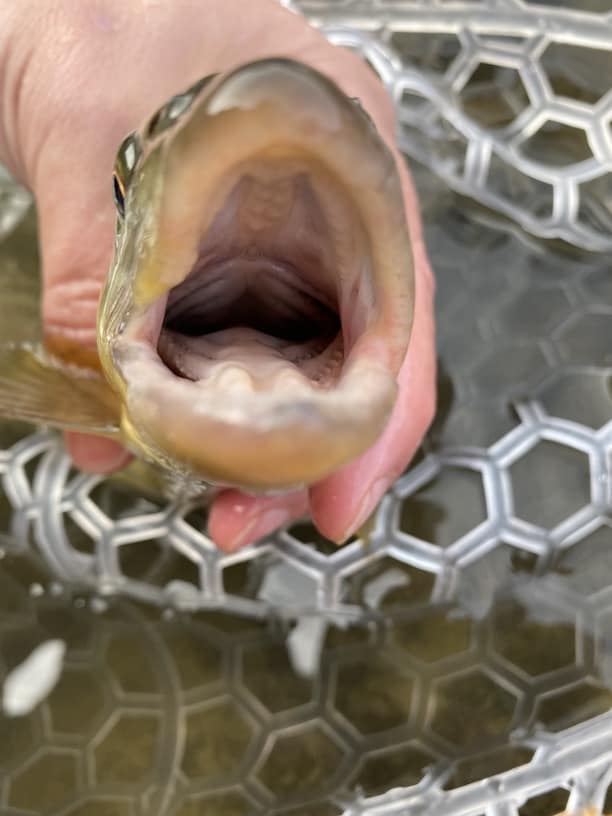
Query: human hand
75, 78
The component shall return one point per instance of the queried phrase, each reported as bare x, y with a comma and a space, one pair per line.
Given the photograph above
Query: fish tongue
232, 359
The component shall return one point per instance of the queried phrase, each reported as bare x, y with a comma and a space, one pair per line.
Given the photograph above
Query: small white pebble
36, 590
98, 605
34, 679
184, 595
305, 643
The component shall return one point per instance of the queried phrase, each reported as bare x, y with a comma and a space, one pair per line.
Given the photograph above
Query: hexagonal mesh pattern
459, 663
95, 534
508, 101
477, 681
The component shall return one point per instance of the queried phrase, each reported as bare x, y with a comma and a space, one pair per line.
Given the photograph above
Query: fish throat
272, 297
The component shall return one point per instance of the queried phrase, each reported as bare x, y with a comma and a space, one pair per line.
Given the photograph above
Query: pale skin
75, 78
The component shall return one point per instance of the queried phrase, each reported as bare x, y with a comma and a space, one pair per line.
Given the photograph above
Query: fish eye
168, 114
119, 195
175, 107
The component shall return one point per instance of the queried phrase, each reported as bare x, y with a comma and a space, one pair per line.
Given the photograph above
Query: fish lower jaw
235, 380
242, 360
228, 428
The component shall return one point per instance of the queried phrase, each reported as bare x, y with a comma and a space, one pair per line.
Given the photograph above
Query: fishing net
460, 662
508, 101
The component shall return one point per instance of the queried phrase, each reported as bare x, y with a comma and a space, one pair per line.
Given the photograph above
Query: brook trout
259, 303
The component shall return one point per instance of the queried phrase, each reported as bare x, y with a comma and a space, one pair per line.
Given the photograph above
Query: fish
259, 303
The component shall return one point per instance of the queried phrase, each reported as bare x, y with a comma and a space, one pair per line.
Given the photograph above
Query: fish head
260, 299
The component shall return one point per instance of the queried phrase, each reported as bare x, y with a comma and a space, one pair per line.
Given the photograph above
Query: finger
341, 503
95, 454
237, 519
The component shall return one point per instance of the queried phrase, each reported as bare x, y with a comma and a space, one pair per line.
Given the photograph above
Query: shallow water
460, 668
205, 714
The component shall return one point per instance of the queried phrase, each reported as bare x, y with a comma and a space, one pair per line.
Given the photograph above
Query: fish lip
146, 326
262, 443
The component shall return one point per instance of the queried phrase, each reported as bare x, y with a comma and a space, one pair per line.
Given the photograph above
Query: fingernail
365, 508
258, 527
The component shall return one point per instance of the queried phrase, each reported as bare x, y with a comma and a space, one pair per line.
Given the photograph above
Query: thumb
76, 225
59, 130
71, 180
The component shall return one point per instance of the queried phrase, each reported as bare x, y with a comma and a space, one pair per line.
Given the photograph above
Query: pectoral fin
36, 388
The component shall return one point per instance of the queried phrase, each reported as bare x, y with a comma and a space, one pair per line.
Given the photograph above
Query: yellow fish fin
36, 388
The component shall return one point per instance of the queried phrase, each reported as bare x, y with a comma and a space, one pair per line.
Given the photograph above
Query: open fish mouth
261, 309
269, 316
